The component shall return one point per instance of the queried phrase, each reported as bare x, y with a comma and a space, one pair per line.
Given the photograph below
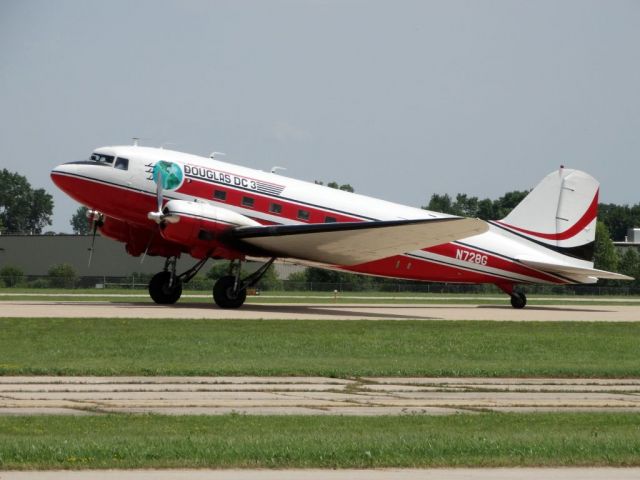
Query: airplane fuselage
122, 187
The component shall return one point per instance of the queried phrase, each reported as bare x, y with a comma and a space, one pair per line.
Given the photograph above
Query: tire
160, 291
224, 296
518, 300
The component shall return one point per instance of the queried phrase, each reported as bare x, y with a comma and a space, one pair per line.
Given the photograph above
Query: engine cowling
138, 239
199, 225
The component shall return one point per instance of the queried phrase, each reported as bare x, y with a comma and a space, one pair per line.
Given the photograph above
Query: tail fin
560, 214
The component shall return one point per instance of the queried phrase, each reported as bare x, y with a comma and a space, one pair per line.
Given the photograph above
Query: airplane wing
585, 274
353, 243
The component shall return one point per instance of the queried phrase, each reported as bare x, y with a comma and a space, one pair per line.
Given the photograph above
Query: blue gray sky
401, 99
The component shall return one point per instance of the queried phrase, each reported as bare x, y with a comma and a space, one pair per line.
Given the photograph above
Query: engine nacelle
199, 225
138, 239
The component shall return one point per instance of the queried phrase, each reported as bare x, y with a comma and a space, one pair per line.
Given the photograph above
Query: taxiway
311, 395
320, 311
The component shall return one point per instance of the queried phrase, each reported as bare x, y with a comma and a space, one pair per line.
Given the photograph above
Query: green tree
619, 218
80, 222
507, 202
297, 281
40, 211
605, 255
487, 209
218, 270
270, 280
322, 279
22, 209
440, 203
345, 187
63, 276
11, 276
630, 264
467, 206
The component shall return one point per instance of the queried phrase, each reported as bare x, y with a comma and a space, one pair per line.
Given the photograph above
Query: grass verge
40, 346
238, 441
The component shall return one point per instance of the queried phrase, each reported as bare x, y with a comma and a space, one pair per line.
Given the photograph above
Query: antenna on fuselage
275, 169
213, 155
135, 141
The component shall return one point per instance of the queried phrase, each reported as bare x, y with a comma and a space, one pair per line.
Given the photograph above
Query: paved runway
346, 474
311, 395
270, 311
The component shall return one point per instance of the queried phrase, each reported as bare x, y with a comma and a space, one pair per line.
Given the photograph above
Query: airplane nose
64, 174
58, 172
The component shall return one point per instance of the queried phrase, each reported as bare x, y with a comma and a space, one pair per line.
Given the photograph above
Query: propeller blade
158, 215
93, 240
159, 190
144, 255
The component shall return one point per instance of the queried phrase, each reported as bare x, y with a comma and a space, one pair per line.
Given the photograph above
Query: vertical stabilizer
559, 213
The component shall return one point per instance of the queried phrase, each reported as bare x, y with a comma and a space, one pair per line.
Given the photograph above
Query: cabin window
101, 158
330, 219
220, 195
247, 202
122, 163
275, 208
303, 215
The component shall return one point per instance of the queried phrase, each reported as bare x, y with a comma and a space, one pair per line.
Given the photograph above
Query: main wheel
518, 300
224, 294
161, 292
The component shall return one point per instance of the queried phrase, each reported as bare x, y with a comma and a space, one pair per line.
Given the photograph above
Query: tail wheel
163, 291
518, 300
226, 296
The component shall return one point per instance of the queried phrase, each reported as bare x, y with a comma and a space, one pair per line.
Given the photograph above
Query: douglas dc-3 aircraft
163, 202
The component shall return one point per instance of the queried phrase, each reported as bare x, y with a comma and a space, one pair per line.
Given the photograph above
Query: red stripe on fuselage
262, 202
423, 269
450, 250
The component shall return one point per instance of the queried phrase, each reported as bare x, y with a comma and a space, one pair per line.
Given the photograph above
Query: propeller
160, 216
97, 220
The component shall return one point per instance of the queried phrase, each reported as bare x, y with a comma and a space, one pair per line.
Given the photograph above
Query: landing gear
518, 298
230, 291
226, 295
165, 288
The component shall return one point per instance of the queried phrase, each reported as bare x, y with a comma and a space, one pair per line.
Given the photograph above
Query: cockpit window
122, 163
100, 157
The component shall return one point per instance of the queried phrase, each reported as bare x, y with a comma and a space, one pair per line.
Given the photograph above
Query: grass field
145, 441
326, 348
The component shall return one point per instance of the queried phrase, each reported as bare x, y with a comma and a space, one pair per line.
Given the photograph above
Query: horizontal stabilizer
354, 243
571, 270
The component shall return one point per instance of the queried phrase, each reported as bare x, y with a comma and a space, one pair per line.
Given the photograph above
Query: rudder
559, 213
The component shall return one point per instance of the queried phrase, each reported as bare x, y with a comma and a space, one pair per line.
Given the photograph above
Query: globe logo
171, 174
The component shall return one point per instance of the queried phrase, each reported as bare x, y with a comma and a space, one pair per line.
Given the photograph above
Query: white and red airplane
168, 203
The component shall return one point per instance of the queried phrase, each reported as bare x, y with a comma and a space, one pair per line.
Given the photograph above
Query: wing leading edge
353, 243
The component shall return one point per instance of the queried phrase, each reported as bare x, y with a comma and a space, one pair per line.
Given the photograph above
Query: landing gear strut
230, 291
518, 298
165, 288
